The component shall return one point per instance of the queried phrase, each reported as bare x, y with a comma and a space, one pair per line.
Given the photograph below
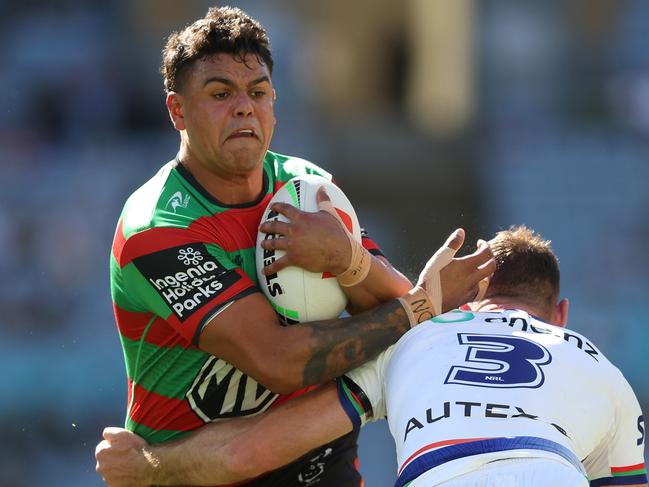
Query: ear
560, 313
175, 108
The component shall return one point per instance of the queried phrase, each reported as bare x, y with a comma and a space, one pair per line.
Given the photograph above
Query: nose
243, 105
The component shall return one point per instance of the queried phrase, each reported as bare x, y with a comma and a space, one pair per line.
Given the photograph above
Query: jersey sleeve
183, 281
620, 458
361, 391
370, 244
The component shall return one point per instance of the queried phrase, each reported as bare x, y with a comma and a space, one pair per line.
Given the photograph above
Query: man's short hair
526, 268
224, 30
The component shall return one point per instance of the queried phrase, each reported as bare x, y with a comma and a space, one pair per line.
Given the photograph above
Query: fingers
289, 211
111, 432
487, 269
455, 240
482, 254
103, 445
276, 266
275, 227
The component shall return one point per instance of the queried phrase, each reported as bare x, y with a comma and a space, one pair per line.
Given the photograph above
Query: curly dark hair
526, 267
223, 30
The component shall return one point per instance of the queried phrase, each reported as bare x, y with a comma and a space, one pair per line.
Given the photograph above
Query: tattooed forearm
342, 344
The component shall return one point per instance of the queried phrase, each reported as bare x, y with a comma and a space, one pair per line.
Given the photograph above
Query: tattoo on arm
342, 344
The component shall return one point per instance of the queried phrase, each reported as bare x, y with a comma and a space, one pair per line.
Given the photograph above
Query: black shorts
332, 465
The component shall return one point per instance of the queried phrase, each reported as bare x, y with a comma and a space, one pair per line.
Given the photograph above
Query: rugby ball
298, 295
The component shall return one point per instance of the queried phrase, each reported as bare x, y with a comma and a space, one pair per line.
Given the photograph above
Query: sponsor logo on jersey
186, 277
221, 391
470, 409
177, 200
520, 323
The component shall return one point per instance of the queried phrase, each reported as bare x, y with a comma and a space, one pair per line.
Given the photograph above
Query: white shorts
514, 472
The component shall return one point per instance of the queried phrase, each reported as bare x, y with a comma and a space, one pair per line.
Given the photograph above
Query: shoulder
282, 167
156, 203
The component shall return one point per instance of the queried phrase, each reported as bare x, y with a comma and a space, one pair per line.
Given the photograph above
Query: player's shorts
515, 472
331, 465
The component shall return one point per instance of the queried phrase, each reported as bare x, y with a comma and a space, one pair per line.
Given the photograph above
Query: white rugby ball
298, 295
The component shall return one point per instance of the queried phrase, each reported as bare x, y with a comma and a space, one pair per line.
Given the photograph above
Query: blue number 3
501, 361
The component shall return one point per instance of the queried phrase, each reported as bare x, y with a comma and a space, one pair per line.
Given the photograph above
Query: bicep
247, 334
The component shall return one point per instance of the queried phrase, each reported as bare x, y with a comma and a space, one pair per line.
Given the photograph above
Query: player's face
226, 112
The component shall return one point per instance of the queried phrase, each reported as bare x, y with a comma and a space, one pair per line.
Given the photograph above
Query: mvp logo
186, 277
220, 391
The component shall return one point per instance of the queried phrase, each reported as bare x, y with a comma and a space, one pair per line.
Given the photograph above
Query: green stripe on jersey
148, 298
639, 471
352, 399
153, 436
165, 371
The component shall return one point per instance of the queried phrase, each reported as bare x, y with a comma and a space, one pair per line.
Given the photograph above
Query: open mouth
243, 134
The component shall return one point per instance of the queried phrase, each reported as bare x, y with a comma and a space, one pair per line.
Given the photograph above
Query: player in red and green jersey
180, 256
201, 343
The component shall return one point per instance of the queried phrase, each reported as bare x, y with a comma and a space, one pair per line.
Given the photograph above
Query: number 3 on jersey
501, 361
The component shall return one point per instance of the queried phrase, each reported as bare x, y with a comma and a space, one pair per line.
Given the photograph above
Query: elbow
280, 375
281, 383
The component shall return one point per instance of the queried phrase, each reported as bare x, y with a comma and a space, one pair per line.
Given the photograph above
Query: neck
228, 188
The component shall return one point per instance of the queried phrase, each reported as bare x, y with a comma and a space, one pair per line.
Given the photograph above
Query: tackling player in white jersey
497, 394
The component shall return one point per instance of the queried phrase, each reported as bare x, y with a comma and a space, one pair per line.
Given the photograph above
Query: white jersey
466, 388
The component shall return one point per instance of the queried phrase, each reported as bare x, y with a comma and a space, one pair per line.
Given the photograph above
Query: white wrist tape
424, 301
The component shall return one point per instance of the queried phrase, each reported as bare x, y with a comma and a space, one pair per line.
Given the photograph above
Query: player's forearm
340, 345
382, 284
272, 441
200, 459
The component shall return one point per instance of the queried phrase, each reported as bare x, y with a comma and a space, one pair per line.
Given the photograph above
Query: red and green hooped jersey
178, 257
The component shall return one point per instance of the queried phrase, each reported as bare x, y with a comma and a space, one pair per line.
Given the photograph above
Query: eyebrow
228, 82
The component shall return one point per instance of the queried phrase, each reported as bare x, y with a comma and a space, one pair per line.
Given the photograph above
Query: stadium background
432, 114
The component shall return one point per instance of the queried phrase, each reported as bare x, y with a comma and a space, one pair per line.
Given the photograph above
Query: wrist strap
359, 266
361, 261
418, 306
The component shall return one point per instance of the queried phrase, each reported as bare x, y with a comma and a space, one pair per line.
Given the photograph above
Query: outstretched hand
461, 279
448, 281
121, 459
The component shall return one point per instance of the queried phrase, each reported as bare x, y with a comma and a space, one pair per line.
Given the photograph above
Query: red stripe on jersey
436, 445
153, 240
161, 334
118, 241
232, 230
162, 413
187, 328
629, 468
357, 466
370, 244
131, 324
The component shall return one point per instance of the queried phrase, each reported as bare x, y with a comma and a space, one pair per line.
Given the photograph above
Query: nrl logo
177, 201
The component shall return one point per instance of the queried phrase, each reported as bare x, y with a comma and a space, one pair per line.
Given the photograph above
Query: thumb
455, 240
324, 202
